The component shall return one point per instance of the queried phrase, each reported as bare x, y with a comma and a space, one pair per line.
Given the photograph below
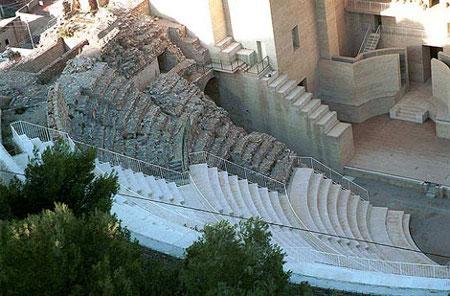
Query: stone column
327, 28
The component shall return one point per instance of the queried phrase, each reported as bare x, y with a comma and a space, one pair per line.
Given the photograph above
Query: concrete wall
251, 21
302, 62
255, 107
360, 90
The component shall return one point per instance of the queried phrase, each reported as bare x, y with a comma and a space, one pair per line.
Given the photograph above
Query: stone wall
255, 107
302, 62
147, 75
46, 57
13, 30
359, 89
57, 66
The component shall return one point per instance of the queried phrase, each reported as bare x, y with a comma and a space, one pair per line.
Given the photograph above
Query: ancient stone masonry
106, 110
138, 42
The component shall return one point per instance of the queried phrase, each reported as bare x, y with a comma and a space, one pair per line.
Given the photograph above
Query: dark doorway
212, 90
429, 53
167, 61
378, 21
304, 83
434, 51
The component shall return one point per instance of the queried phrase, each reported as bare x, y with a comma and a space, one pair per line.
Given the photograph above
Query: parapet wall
366, 86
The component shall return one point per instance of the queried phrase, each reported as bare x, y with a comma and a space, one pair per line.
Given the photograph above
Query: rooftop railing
367, 6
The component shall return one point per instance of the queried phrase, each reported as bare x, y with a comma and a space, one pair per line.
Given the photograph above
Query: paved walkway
401, 148
430, 217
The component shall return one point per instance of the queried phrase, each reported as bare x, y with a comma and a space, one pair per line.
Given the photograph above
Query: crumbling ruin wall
106, 110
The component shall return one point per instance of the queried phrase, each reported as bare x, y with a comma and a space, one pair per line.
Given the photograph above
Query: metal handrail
333, 175
389, 267
259, 67
366, 37
226, 66
376, 265
235, 169
46, 134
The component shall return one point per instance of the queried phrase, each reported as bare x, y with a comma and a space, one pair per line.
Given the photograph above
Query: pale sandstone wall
327, 28
218, 20
194, 14
441, 93
353, 88
300, 63
251, 21
252, 105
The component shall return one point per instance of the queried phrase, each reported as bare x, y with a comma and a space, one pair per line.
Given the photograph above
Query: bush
56, 253
235, 260
59, 176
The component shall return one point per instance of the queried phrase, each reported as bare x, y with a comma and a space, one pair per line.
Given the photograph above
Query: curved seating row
341, 222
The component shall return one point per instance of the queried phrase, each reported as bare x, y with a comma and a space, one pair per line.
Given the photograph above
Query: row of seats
341, 222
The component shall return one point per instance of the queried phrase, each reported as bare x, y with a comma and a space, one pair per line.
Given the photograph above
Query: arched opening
212, 91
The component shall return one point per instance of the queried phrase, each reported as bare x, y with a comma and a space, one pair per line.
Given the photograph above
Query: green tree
56, 253
60, 175
235, 260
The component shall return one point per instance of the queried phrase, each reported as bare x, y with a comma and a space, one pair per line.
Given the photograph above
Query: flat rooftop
401, 148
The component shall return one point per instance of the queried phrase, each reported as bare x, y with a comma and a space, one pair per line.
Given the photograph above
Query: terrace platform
401, 148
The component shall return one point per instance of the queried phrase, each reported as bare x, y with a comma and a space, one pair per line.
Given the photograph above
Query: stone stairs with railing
162, 213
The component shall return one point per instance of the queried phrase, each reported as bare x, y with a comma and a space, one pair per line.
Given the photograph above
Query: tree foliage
62, 176
235, 260
56, 253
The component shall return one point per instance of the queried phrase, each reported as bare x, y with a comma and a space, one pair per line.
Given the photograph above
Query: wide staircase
314, 219
287, 91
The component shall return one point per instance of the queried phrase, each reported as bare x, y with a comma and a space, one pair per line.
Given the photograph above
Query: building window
6, 42
295, 38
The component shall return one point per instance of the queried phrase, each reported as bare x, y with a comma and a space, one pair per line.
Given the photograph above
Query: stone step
274, 75
295, 94
310, 107
304, 99
228, 54
279, 81
320, 112
338, 129
327, 122
287, 87
224, 43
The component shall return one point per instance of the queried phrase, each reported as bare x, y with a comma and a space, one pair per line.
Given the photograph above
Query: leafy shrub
63, 176
235, 260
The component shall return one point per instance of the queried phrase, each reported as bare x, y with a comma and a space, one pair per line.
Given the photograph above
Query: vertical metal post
29, 32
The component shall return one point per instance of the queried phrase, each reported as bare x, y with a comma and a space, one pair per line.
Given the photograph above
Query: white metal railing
235, 169
115, 159
366, 38
333, 175
390, 267
366, 264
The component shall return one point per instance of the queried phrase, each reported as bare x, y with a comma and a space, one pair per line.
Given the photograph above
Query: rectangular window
295, 38
6, 42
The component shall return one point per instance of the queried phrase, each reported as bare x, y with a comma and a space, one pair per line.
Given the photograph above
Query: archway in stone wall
212, 90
